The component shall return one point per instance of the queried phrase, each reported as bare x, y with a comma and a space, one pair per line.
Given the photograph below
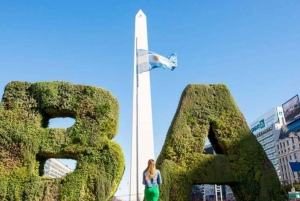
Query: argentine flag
147, 60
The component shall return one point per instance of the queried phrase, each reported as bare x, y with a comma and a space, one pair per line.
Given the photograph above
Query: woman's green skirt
152, 193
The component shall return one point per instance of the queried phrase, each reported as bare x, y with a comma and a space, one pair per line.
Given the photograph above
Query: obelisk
142, 146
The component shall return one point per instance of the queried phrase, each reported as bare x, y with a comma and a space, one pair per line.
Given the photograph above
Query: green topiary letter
210, 111
26, 142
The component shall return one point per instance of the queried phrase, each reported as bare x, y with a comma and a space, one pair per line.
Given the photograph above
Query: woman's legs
152, 194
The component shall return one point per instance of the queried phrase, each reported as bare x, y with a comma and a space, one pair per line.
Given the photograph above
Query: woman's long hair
151, 169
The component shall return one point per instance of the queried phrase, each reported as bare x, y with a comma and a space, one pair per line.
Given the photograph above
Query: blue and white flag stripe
147, 60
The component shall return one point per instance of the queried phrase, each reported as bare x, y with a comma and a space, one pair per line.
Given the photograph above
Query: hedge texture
26, 142
210, 111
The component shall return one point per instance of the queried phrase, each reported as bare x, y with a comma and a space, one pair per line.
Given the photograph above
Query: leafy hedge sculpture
26, 142
210, 111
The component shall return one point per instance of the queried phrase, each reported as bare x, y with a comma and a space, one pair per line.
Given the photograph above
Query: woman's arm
144, 178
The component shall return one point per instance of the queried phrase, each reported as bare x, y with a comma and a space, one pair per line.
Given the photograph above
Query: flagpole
137, 109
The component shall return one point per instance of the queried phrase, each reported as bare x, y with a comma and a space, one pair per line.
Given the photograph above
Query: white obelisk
142, 146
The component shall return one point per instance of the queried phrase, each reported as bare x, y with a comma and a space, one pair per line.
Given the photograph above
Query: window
287, 142
293, 140
295, 156
291, 157
283, 144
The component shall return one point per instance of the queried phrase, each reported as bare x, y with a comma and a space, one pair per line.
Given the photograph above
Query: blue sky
251, 46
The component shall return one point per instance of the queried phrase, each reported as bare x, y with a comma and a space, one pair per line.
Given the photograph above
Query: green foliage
210, 111
26, 142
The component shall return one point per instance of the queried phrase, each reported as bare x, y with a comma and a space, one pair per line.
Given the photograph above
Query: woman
151, 180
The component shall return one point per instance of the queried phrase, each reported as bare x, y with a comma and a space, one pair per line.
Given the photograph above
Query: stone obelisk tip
140, 14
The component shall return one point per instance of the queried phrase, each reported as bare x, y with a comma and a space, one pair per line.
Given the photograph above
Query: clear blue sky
251, 46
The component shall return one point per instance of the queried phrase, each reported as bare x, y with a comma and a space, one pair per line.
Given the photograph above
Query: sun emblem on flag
155, 58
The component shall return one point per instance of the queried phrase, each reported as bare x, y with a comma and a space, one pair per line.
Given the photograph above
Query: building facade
267, 129
288, 151
287, 146
55, 169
